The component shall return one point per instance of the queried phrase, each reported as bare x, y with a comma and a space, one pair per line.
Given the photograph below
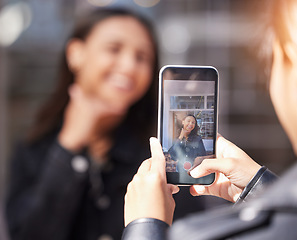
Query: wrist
145, 228
257, 184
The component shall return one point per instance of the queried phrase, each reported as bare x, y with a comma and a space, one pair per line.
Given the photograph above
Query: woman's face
115, 62
189, 123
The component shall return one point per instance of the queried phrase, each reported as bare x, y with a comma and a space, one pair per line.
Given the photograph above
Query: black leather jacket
272, 215
50, 197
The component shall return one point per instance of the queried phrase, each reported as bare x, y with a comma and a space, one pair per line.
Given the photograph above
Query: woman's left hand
148, 194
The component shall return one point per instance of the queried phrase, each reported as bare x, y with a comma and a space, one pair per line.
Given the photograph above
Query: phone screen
187, 125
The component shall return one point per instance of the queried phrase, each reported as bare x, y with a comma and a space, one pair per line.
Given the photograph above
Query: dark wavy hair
50, 117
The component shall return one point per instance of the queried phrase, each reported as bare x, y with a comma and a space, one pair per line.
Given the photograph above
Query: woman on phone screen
188, 146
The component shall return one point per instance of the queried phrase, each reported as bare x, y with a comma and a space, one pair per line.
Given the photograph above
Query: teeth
122, 82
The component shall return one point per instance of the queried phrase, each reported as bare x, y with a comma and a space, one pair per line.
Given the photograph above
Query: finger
173, 188
227, 149
144, 167
156, 149
73, 90
158, 159
210, 166
222, 145
197, 190
76, 93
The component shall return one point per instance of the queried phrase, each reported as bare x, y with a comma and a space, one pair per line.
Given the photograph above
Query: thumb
173, 188
209, 166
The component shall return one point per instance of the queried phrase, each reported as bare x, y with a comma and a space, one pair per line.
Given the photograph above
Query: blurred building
197, 32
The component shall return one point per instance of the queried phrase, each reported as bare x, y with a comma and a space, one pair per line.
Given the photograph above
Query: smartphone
187, 120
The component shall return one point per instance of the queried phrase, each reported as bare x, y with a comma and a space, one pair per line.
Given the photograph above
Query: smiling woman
188, 147
112, 67
87, 141
113, 64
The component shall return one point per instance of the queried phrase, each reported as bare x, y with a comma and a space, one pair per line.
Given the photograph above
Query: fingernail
199, 189
153, 139
194, 172
175, 190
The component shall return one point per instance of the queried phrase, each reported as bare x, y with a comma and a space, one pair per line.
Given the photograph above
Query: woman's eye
142, 57
113, 49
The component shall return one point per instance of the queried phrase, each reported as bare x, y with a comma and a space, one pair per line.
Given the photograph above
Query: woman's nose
127, 63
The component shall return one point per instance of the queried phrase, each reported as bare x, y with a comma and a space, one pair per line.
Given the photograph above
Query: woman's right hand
182, 134
80, 118
233, 167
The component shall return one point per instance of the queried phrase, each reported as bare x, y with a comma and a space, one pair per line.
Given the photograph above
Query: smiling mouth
121, 82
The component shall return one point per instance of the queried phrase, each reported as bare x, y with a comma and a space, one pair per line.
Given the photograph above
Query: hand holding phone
148, 195
187, 124
234, 170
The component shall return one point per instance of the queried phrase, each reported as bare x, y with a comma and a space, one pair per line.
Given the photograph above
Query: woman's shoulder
27, 150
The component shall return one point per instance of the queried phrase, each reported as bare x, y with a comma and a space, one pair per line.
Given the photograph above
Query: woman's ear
74, 54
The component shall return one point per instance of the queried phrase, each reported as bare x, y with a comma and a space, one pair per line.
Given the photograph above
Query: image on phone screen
187, 120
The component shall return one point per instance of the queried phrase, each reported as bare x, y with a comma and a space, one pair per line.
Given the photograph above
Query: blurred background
197, 32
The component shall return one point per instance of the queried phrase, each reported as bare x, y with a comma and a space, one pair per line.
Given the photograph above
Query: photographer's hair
274, 27
50, 116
